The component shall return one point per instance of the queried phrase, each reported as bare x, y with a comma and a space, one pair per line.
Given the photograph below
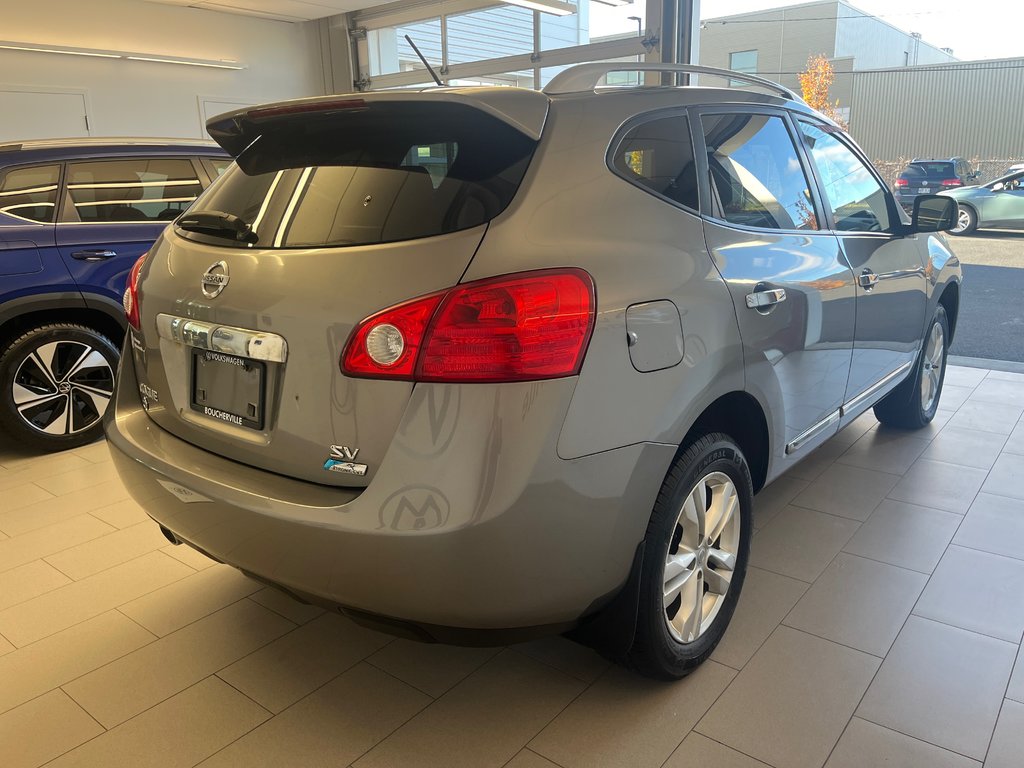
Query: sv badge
343, 459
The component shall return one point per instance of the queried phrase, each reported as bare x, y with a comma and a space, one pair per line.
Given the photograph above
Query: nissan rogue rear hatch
327, 217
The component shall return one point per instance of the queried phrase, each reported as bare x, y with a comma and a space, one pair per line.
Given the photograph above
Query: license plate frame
229, 388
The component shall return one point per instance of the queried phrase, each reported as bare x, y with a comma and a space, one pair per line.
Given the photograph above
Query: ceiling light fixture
128, 55
555, 7
65, 51
189, 62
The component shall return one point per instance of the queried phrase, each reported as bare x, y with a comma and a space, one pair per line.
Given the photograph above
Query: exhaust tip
170, 536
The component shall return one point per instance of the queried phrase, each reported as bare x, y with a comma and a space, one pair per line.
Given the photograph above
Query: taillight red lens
952, 183
902, 183
532, 325
131, 294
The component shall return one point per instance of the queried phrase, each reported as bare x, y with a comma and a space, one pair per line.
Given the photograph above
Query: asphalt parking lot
991, 324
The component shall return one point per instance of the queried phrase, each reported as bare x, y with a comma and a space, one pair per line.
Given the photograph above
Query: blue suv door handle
98, 255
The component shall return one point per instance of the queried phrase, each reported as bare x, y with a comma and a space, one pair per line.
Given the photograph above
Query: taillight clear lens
371, 352
131, 294
532, 325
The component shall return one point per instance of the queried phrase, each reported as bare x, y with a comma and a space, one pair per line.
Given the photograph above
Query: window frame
646, 117
58, 201
704, 170
67, 213
895, 220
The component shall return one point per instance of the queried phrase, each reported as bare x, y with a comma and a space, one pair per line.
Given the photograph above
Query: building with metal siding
783, 38
969, 109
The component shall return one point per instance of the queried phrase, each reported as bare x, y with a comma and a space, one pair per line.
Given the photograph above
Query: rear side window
756, 176
657, 156
216, 166
136, 189
388, 172
30, 193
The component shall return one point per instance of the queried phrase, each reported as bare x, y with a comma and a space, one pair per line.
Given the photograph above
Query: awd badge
343, 459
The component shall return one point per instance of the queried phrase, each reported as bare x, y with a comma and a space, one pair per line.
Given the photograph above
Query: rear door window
30, 193
388, 172
657, 156
858, 201
132, 190
756, 178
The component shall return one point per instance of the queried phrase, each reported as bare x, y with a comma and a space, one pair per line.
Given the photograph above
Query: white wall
136, 98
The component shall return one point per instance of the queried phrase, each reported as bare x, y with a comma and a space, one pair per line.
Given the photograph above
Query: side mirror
998, 187
934, 213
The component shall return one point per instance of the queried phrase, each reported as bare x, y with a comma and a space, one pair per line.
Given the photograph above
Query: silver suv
477, 364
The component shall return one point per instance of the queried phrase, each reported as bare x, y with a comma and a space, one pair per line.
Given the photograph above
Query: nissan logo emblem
215, 280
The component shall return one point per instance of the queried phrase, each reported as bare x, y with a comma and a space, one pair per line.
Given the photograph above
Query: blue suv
75, 215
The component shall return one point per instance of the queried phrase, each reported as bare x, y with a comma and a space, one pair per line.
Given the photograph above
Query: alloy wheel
63, 387
963, 221
931, 375
701, 557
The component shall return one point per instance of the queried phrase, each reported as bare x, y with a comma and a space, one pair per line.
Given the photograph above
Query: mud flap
612, 629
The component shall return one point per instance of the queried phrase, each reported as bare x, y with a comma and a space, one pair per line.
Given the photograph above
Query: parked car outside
929, 177
75, 214
998, 204
1014, 168
479, 364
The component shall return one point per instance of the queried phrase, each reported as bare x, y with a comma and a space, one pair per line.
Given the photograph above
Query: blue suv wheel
57, 381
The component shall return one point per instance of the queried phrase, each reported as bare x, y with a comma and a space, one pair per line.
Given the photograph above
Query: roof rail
585, 77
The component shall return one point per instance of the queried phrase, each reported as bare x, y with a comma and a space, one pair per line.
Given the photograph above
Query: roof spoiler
523, 109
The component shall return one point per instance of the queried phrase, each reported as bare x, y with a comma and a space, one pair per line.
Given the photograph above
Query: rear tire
56, 382
967, 221
914, 402
695, 558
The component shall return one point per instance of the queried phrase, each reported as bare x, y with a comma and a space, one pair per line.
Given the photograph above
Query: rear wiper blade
218, 224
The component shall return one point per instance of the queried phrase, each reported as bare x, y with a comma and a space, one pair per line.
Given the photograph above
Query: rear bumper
486, 538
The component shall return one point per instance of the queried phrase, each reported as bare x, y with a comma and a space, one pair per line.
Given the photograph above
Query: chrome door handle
766, 298
868, 279
97, 255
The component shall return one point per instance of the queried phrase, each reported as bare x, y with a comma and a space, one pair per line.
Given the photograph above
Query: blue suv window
139, 189
30, 193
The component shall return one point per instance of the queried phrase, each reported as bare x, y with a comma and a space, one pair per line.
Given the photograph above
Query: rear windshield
389, 172
930, 169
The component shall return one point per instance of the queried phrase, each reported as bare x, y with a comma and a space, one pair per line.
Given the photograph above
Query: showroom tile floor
880, 625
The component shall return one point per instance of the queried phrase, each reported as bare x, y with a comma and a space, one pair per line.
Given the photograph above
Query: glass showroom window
389, 52
498, 44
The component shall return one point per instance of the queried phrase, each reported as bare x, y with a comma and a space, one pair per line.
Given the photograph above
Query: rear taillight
531, 325
131, 294
902, 183
952, 183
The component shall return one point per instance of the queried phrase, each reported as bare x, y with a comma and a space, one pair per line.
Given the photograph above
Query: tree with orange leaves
815, 82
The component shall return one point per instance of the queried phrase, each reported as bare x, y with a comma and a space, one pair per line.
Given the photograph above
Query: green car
998, 204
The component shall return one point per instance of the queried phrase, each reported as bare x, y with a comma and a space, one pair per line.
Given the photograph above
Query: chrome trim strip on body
226, 339
815, 430
856, 402
804, 437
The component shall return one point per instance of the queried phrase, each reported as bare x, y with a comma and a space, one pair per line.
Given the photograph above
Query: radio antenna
423, 58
